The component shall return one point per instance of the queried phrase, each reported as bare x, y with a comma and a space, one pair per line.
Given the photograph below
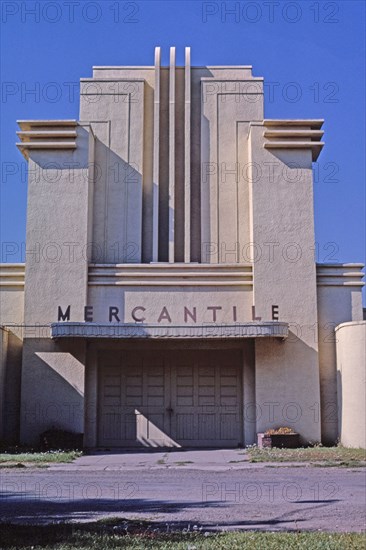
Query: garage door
187, 398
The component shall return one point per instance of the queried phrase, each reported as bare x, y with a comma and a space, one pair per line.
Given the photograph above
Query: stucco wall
287, 373
52, 387
12, 334
58, 233
351, 383
3, 354
339, 301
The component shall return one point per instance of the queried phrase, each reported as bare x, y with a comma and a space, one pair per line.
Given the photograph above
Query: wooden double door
173, 398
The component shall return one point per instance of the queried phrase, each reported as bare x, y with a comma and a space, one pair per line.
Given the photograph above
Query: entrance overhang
268, 329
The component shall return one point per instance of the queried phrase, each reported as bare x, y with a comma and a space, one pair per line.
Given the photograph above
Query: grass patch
131, 535
39, 459
183, 462
340, 464
328, 456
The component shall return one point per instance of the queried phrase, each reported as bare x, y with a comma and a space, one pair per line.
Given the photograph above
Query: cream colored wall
198, 287
339, 293
52, 387
117, 111
351, 383
287, 373
11, 314
174, 300
250, 413
51, 381
226, 110
11, 293
58, 233
3, 356
116, 99
12, 307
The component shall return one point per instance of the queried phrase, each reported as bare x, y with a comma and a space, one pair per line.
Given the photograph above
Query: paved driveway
205, 488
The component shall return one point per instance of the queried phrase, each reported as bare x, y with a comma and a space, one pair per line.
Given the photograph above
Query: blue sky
311, 55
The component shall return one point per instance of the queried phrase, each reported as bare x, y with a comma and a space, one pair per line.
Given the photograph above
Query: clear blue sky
310, 53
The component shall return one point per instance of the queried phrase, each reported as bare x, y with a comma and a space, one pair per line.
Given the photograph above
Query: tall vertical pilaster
187, 156
171, 154
155, 241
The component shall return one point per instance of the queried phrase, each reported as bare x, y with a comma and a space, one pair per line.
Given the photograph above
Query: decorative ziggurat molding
340, 275
171, 275
12, 275
294, 134
44, 135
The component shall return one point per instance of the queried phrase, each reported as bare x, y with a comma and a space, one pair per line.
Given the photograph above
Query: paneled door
180, 398
206, 399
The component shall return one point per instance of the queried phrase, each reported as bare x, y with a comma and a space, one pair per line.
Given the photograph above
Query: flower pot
282, 441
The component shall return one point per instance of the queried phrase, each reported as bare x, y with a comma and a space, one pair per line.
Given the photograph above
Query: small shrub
55, 439
279, 431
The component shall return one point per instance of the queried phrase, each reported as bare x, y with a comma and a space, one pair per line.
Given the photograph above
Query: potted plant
283, 437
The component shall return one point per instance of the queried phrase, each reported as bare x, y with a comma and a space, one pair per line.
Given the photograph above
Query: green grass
111, 534
23, 459
328, 456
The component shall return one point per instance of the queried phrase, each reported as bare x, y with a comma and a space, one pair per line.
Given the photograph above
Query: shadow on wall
117, 194
52, 389
287, 386
11, 380
122, 208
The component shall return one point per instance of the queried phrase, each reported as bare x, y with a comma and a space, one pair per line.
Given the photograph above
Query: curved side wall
351, 383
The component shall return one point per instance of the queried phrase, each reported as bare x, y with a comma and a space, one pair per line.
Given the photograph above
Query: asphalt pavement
207, 489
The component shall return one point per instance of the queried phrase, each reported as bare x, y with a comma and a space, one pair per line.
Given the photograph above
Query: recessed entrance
172, 398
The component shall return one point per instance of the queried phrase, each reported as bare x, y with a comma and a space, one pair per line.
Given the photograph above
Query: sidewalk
208, 460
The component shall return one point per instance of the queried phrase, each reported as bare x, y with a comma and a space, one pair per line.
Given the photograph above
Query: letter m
63, 316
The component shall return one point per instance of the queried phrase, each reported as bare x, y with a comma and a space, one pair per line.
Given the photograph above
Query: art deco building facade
170, 295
